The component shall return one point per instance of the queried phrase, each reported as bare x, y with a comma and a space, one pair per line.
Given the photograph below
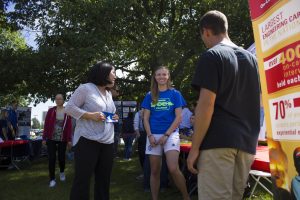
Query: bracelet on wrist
166, 135
149, 135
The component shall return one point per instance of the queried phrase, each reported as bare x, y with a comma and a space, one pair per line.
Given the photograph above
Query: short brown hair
215, 21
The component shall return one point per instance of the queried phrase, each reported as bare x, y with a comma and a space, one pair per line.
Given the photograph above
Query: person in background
295, 186
185, 124
128, 135
4, 125
115, 93
192, 120
162, 115
116, 138
187, 135
13, 119
262, 137
226, 130
141, 137
57, 135
94, 133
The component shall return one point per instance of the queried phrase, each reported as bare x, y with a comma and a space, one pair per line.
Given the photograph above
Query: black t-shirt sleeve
256, 66
206, 74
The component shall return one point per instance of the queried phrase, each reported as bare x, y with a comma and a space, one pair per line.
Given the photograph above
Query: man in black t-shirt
227, 114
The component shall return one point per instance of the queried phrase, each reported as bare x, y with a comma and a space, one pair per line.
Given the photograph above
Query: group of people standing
224, 133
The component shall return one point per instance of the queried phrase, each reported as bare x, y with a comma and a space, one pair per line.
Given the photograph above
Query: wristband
149, 135
166, 135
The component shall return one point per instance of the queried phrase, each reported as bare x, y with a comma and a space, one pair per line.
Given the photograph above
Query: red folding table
260, 169
8, 150
261, 161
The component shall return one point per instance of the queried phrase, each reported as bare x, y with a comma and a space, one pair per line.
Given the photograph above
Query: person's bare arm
203, 116
147, 128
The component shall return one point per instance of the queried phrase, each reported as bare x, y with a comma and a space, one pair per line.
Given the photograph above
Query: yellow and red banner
276, 27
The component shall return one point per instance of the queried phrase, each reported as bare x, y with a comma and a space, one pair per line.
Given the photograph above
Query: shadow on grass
31, 183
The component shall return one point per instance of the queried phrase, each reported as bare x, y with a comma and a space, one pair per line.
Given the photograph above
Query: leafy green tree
13, 61
6, 100
35, 123
136, 35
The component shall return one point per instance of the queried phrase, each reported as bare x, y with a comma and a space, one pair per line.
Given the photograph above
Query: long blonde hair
154, 86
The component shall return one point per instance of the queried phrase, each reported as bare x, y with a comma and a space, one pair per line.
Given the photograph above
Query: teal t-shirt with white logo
162, 114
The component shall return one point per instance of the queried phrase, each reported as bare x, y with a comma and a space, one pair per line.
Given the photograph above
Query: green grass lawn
31, 183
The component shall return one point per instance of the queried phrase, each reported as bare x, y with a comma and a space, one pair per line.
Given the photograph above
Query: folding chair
20, 153
15, 152
5, 156
260, 169
257, 175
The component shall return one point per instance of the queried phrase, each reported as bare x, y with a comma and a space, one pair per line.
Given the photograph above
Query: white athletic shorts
172, 143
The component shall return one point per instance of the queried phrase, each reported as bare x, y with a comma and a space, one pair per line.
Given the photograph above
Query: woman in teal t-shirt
162, 115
